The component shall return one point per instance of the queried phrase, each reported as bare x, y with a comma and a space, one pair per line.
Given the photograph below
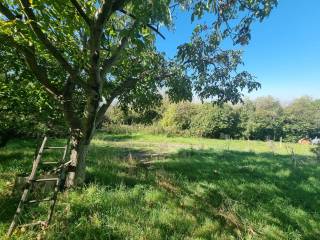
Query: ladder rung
43, 223
40, 200
54, 147
49, 162
46, 179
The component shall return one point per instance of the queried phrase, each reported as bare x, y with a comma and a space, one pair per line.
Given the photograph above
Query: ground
143, 186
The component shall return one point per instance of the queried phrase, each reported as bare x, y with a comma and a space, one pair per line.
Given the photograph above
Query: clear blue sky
284, 52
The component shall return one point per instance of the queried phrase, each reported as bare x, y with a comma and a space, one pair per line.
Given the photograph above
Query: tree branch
102, 15
128, 84
39, 72
65, 97
123, 87
102, 111
43, 38
105, 11
81, 12
108, 63
148, 25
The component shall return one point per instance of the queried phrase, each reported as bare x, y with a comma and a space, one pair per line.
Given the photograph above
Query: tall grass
142, 186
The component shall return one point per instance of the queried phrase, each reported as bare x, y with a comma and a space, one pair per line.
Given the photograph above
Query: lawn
143, 186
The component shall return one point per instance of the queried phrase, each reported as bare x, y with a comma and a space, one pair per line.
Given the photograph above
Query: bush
127, 116
302, 118
215, 121
262, 119
177, 117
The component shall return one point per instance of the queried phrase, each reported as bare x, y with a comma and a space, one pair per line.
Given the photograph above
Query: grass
188, 188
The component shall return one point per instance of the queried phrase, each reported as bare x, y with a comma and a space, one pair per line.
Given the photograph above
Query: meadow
143, 186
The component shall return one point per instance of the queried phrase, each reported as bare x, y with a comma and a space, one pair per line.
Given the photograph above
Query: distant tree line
26, 112
260, 119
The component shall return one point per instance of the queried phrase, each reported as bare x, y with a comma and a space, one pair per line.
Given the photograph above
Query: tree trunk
77, 167
79, 142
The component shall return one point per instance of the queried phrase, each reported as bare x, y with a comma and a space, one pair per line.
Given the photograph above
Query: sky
283, 54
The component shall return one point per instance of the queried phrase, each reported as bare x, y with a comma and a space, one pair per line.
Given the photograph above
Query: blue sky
284, 52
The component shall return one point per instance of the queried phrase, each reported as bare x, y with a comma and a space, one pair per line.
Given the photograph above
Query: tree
79, 52
302, 119
178, 116
214, 121
263, 118
245, 111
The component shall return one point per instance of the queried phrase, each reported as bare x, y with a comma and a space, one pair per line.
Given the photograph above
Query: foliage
213, 70
263, 119
62, 38
25, 110
124, 115
266, 118
215, 121
302, 119
245, 112
178, 116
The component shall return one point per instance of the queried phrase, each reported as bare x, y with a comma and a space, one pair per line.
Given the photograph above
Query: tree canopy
85, 54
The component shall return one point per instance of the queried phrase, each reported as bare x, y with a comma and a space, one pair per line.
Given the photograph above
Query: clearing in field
156, 187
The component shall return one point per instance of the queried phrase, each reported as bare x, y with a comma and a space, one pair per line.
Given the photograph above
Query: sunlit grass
188, 188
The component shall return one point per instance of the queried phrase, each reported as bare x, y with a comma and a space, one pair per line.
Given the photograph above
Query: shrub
302, 118
214, 121
127, 116
177, 117
262, 119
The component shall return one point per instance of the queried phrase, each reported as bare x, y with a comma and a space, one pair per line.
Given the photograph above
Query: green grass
191, 188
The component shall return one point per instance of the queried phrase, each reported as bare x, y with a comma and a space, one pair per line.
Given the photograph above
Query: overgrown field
156, 187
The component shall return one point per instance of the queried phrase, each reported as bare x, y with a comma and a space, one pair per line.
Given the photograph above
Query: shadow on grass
265, 183
8, 206
259, 181
250, 170
237, 188
112, 166
115, 137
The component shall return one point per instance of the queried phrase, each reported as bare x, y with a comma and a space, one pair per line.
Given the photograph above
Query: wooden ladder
32, 179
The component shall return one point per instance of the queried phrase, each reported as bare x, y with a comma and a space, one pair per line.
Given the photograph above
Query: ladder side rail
59, 182
37, 160
53, 201
18, 211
